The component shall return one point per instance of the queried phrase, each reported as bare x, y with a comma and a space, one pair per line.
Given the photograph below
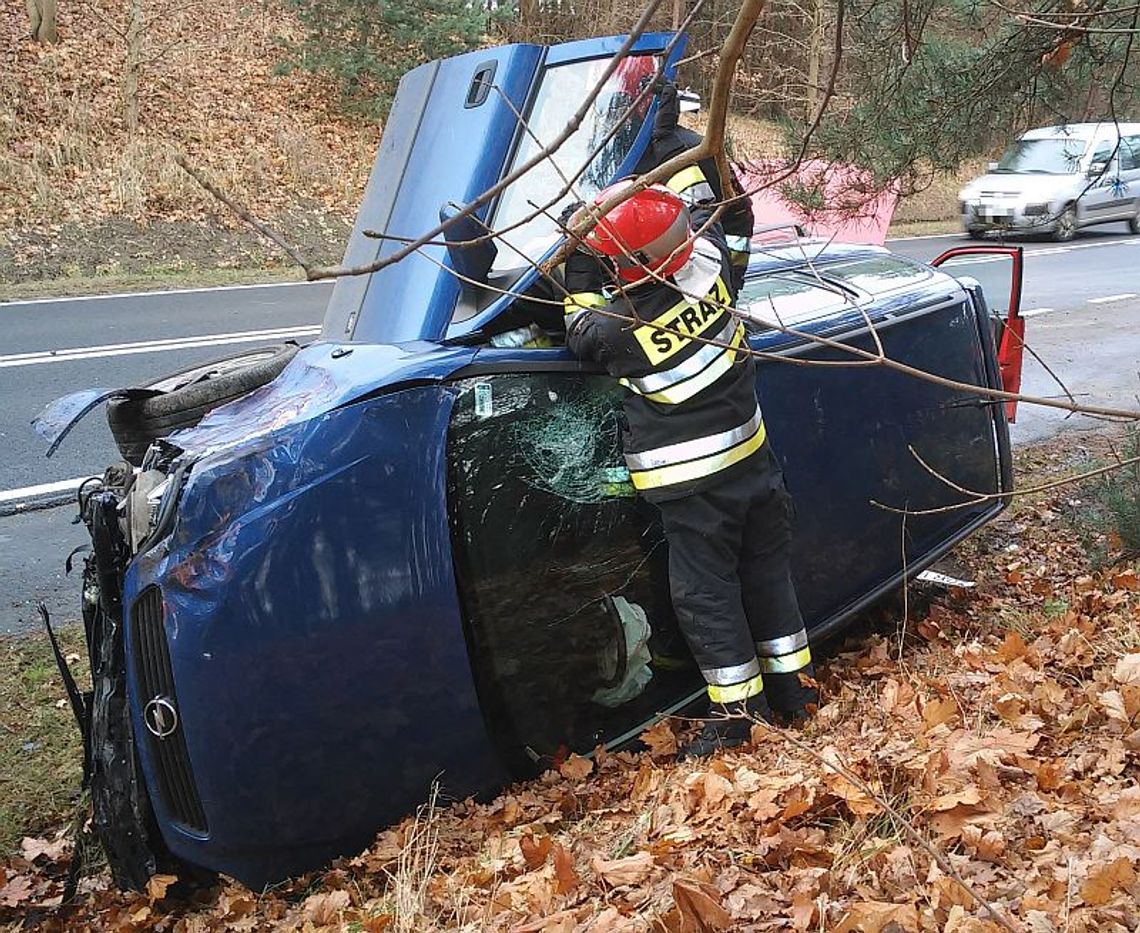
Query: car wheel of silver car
1066, 224
1134, 221
187, 396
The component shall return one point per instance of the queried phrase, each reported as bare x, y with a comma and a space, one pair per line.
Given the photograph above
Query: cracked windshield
563, 88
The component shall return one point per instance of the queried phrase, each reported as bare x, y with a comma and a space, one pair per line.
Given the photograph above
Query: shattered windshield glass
562, 91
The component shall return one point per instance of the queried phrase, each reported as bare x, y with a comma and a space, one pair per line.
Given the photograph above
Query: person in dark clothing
700, 183
652, 304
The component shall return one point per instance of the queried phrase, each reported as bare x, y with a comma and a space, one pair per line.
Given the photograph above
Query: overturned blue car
415, 552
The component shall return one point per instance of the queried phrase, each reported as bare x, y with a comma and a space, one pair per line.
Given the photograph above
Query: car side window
773, 301
1130, 153
1101, 156
562, 569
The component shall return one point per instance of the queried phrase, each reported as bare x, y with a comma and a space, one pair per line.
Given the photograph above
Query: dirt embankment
82, 193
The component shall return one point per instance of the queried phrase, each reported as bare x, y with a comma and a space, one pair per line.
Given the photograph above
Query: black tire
1134, 222
187, 396
976, 233
1066, 224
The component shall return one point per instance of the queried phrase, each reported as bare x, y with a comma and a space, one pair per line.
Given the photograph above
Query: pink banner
845, 205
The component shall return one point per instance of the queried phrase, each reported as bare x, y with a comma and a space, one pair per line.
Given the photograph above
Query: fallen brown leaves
1008, 736
210, 88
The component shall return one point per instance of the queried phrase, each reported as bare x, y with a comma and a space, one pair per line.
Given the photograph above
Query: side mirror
1097, 169
991, 166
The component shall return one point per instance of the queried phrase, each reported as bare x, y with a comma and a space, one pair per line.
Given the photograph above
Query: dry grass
40, 751
415, 869
939, 200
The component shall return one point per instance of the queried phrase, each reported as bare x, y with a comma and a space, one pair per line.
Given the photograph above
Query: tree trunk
678, 13
41, 14
815, 55
132, 66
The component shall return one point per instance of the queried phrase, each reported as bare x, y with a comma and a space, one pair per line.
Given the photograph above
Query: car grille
156, 682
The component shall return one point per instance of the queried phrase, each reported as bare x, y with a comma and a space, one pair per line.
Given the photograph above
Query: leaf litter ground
1002, 723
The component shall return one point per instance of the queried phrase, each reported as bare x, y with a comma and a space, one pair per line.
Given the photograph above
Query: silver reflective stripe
697, 447
785, 644
738, 243
698, 193
686, 370
787, 663
737, 673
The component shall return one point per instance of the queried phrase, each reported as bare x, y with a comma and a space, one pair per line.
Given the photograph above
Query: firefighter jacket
699, 183
692, 416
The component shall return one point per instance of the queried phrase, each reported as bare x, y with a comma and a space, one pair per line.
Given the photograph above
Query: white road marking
1033, 312
927, 236
1124, 296
172, 291
40, 357
43, 489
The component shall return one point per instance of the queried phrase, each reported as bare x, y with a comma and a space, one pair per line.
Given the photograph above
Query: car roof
1080, 130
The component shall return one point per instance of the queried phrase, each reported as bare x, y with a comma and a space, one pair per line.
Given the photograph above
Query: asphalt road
1082, 300
50, 348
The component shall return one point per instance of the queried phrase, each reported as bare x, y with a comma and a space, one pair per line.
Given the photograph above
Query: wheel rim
1066, 223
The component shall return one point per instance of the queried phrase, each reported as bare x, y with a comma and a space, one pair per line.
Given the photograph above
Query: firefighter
700, 183
696, 447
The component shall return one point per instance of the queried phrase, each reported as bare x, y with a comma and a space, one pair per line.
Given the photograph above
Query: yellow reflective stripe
686, 178
579, 300
684, 391
695, 469
734, 693
787, 663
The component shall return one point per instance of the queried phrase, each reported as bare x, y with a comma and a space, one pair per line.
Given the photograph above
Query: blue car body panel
315, 634
320, 637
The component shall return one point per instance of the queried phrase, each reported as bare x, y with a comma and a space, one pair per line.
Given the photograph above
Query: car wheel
187, 396
976, 233
1134, 222
1066, 224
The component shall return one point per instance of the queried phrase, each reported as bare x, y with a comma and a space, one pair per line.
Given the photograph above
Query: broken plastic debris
932, 576
636, 674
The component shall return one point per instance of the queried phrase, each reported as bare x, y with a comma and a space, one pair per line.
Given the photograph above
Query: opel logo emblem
161, 717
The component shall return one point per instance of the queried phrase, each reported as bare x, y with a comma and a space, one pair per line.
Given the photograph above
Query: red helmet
650, 231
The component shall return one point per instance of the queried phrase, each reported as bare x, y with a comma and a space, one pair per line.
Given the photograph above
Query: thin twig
976, 498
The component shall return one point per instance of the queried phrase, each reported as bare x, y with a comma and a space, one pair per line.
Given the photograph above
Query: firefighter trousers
731, 583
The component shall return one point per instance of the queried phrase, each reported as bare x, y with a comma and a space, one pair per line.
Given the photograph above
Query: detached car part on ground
414, 553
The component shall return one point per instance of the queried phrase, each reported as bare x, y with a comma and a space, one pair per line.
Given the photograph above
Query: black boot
793, 700
729, 725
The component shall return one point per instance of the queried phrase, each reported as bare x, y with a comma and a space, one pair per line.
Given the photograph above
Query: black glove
585, 272
568, 213
668, 112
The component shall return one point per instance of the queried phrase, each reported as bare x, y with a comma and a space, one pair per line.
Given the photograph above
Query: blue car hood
446, 141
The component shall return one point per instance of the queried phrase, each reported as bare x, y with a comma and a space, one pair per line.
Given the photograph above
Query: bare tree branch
977, 498
272, 235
